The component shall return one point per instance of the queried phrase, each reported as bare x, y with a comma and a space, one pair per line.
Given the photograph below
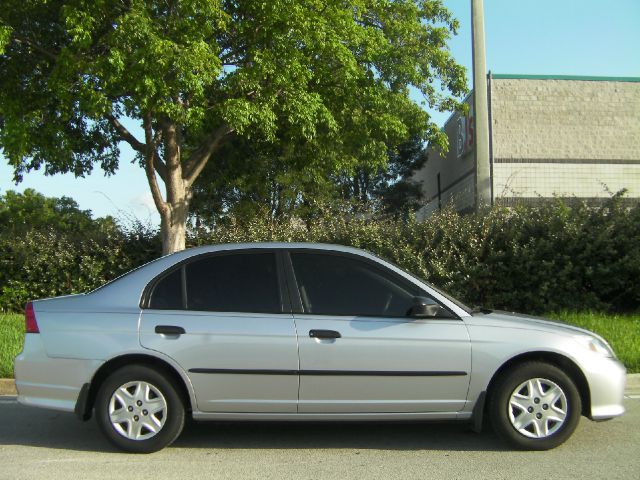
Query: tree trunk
174, 219
178, 177
173, 227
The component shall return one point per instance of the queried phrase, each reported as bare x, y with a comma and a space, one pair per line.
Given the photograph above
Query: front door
360, 352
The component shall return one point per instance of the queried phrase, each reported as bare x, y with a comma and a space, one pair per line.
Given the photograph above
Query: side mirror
424, 308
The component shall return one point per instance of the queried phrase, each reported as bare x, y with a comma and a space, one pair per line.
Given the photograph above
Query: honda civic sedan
285, 331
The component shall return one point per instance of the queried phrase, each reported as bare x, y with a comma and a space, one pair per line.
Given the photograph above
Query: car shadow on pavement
338, 435
32, 427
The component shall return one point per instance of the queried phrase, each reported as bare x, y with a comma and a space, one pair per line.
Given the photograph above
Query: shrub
533, 259
47, 263
550, 257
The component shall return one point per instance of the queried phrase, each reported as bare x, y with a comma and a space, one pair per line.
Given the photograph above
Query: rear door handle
169, 330
324, 334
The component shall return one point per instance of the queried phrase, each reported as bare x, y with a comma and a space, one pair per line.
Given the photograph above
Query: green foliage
11, 340
20, 212
324, 85
527, 259
49, 247
47, 263
280, 182
530, 259
392, 188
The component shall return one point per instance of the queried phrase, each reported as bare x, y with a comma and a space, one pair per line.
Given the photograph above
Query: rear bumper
607, 379
46, 382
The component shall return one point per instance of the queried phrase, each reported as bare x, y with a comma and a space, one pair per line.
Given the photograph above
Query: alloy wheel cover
137, 410
538, 408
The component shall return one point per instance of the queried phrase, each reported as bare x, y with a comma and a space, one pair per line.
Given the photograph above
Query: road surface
40, 444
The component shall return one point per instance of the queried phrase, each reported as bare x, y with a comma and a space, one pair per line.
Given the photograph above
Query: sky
540, 37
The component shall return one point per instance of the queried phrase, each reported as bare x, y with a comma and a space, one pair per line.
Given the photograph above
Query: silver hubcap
537, 408
137, 410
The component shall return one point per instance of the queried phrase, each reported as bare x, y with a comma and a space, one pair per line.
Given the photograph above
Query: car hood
518, 320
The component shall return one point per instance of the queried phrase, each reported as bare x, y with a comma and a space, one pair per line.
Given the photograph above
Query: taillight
30, 319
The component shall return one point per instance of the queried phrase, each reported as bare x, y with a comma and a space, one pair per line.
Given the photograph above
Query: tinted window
234, 283
167, 294
340, 285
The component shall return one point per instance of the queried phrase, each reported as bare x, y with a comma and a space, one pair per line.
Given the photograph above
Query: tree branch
138, 146
127, 136
30, 43
199, 158
150, 156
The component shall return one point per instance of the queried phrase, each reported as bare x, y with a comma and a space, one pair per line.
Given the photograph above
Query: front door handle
169, 330
324, 334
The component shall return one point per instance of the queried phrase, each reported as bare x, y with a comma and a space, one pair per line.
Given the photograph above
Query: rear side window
167, 294
245, 282
341, 285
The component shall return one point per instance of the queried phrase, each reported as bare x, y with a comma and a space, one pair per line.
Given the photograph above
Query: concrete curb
8, 387
633, 384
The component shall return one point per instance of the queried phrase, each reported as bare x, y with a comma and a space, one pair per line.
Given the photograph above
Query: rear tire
534, 406
138, 410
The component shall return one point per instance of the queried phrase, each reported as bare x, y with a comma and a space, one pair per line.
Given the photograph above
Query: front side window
246, 282
341, 285
238, 282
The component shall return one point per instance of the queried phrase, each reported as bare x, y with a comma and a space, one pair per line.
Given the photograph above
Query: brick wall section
550, 137
565, 119
531, 180
565, 138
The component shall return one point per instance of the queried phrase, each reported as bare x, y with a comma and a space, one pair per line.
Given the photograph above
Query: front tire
138, 410
534, 406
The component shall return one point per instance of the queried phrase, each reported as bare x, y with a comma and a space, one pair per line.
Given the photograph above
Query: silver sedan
285, 331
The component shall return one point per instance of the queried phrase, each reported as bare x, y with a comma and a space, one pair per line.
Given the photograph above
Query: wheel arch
558, 360
106, 369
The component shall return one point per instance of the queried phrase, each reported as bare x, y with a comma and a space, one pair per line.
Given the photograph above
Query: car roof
269, 245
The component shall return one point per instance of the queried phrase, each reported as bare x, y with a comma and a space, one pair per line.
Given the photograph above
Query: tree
276, 184
331, 76
390, 189
30, 210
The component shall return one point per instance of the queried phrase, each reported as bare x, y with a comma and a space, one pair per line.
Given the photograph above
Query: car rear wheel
139, 410
534, 406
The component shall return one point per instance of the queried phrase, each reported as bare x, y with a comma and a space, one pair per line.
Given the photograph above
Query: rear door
360, 352
224, 318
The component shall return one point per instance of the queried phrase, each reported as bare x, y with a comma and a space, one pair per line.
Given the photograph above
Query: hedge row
529, 259
47, 263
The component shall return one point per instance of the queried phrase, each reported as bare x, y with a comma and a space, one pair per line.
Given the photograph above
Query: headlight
597, 346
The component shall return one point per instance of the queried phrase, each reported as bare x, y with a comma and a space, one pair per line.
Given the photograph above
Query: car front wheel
534, 406
139, 410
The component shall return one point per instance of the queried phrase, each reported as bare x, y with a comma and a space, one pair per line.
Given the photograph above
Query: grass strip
11, 340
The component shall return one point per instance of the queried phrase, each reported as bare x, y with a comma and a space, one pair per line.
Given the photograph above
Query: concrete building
549, 136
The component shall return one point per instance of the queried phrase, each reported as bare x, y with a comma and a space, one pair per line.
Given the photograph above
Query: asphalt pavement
41, 444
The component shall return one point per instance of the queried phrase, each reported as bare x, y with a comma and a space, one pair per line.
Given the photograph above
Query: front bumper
606, 378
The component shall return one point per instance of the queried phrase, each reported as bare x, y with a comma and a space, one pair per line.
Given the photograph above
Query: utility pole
480, 108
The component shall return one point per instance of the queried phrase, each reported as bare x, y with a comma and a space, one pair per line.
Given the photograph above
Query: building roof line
585, 78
